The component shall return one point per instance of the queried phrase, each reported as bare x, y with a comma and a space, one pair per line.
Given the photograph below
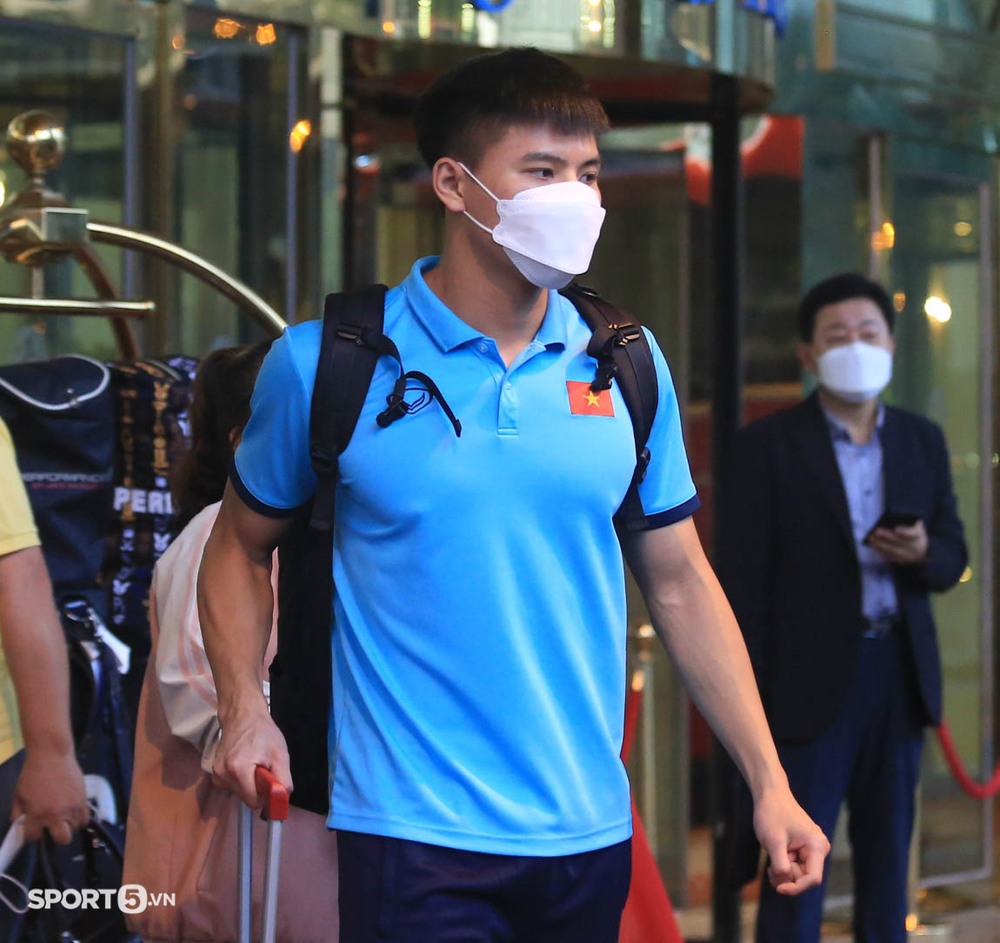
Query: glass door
242, 168
85, 81
940, 269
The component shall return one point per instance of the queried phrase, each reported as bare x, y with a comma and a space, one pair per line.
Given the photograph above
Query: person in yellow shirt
34, 672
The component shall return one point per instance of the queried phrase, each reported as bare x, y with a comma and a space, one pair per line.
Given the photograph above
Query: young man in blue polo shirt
479, 619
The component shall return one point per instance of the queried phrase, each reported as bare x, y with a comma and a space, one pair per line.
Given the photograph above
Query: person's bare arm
235, 605
50, 790
695, 622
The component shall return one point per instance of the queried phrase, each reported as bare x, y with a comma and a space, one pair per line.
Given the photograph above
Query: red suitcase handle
275, 811
274, 794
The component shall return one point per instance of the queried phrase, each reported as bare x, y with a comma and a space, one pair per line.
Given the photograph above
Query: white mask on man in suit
855, 372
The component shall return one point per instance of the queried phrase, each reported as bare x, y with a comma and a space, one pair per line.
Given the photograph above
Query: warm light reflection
912, 922
225, 28
388, 27
177, 41
899, 300
597, 17
937, 309
884, 237
963, 228
299, 135
966, 575
266, 34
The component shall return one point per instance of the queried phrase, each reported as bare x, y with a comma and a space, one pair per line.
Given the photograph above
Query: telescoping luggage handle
275, 812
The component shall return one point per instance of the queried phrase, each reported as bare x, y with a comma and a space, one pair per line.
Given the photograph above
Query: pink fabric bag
181, 834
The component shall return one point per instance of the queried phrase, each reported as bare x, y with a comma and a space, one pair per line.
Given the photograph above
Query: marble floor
966, 912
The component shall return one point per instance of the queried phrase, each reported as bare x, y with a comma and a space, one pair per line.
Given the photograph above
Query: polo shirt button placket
507, 418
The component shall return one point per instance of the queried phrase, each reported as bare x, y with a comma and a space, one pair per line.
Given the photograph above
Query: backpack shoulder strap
350, 347
622, 351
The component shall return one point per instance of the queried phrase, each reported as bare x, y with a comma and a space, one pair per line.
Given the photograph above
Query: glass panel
641, 263
78, 78
969, 15
241, 134
923, 226
936, 267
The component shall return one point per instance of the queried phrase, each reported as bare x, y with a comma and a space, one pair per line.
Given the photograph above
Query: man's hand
795, 845
250, 739
905, 544
50, 793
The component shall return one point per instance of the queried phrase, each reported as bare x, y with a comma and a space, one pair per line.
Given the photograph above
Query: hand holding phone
890, 519
900, 537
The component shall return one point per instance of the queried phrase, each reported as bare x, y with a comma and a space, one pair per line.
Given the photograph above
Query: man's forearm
696, 624
235, 607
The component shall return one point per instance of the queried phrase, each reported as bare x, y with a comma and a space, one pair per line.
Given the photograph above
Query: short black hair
477, 100
841, 288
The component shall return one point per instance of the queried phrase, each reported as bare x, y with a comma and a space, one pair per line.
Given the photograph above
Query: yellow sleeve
17, 526
17, 531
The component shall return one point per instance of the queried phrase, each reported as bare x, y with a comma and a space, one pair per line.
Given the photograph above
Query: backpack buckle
353, 333
623, 334
602, 349
606, 370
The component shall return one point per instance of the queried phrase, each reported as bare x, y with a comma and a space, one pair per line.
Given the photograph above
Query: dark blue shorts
397, 891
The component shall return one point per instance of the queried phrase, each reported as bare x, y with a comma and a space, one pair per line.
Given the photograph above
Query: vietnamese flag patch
583, 401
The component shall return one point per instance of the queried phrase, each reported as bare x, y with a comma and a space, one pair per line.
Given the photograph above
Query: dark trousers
409, 892
869, 758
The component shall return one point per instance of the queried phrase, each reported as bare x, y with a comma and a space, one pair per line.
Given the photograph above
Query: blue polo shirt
479, 617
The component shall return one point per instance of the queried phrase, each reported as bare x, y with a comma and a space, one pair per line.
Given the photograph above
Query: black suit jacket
788, 562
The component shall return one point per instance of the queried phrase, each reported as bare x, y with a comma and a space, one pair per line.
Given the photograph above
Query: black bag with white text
60, 416
150, 402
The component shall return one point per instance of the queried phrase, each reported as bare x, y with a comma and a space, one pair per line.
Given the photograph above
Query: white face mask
855, 372
548, 232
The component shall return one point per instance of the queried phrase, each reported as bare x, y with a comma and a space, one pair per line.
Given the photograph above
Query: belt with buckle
879, 628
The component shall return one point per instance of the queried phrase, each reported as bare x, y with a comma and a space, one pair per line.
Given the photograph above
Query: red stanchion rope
633, 705
969, 785
648, 916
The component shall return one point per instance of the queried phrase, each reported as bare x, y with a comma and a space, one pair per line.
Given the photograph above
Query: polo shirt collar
449, 331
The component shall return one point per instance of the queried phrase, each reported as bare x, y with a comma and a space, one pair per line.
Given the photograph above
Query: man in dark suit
838, 520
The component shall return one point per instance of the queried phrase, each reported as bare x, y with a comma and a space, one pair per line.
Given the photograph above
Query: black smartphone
893, 519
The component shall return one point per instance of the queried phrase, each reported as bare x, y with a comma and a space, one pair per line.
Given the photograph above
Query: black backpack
352, 342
